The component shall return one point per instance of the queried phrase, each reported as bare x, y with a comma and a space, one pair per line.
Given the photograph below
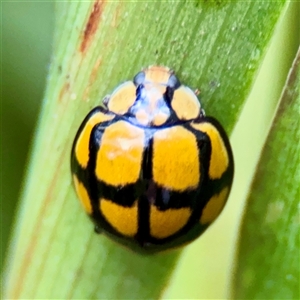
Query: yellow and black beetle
151, 170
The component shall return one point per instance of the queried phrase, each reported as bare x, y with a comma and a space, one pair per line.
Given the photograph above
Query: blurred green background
27, 32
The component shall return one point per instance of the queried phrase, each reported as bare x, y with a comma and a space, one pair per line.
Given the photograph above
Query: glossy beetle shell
150, 169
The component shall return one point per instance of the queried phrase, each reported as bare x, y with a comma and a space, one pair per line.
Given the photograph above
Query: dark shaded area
26, 47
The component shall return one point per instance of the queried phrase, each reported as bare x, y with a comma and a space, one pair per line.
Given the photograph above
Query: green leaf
268, 260
216, 47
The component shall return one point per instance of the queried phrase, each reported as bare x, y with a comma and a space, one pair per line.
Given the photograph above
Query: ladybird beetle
150, 169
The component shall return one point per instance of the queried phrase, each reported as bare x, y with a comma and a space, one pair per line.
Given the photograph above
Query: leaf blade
268, 261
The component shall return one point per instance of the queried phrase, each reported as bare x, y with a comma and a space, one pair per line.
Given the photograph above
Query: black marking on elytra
168, 199
143, 220
94, 146
151, 191
148, 193
122, 195
146, 169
